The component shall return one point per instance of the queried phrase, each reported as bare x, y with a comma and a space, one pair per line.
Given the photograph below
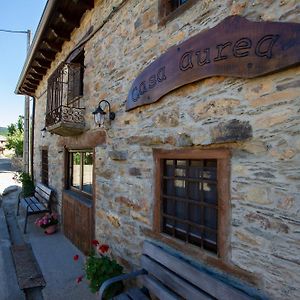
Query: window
75, 80
80, 177
65, 89
45, 166
191, 192
170, 9
176, 3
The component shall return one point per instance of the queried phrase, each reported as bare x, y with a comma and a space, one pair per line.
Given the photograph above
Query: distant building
2, 144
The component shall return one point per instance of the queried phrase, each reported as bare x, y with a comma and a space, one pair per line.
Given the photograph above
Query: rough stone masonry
257, 119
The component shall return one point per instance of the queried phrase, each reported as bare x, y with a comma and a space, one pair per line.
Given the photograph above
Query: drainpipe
32, 139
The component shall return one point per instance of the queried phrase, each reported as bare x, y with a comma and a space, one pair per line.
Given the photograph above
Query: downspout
32, 138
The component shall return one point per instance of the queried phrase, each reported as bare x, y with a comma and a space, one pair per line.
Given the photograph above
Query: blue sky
15, 15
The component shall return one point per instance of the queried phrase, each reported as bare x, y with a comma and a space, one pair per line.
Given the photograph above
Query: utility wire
13, 31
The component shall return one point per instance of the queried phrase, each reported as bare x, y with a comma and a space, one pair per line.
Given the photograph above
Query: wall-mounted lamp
43, 132
100, 113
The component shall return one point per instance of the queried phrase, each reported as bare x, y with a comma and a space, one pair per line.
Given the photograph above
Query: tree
15, 136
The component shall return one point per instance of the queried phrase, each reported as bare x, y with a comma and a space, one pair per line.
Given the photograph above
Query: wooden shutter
45, 167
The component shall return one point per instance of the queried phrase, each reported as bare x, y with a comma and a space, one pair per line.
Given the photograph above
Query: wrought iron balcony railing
65, 114
66, 121
65, 88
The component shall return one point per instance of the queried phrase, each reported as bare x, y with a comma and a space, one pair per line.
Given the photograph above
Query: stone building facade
119, 39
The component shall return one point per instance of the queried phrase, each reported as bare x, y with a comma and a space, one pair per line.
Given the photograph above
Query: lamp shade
43, 132
100, 114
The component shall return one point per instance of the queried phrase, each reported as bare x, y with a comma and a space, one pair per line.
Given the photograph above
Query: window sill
187, 248
78, 197
202, 256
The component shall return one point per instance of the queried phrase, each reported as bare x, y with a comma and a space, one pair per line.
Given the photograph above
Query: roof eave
59, 19
36, 40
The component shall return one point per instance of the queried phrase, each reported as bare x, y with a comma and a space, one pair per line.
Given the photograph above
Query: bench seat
132, 294
169, 276
33, 205
36, 204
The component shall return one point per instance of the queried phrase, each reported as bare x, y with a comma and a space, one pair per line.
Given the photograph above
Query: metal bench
36, 204
167, 276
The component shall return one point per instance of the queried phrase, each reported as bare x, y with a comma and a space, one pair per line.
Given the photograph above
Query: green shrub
15, 137
100, 266
27, 184
98, 269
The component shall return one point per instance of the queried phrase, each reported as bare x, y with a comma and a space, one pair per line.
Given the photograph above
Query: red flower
76, 257
95, 243
79, 279
103, 248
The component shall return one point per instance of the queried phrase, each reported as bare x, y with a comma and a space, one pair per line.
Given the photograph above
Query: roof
59, 19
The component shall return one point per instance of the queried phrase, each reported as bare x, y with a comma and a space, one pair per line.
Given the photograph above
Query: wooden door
78, 221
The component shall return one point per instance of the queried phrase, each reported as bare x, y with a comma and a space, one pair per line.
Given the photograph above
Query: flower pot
51, 229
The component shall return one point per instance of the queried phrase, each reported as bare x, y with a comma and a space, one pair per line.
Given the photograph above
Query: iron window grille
169, 9
177, 3
65, 89
190, 201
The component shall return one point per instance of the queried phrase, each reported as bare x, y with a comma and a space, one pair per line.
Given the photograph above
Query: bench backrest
171, 277
43, 194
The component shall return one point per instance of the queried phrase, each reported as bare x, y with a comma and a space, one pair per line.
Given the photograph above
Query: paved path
6, 174
9, 288
54, 254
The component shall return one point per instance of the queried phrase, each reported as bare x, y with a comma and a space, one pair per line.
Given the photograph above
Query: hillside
3, 131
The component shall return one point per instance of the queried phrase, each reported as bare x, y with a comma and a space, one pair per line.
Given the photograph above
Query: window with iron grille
170, 9
65, 89
45, 167
176, 3
190, 191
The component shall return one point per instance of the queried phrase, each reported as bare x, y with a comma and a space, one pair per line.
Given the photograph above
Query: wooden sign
236, 47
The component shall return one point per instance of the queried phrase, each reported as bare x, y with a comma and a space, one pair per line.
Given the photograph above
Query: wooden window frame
68, 173
166, 11
223, 178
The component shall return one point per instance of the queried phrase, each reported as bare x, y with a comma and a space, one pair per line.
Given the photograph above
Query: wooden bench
168, 276
36, 204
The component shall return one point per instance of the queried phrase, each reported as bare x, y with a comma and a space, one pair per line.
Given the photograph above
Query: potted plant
100, 266
48, 222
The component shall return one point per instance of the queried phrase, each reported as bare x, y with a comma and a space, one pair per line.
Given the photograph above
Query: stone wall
265, 161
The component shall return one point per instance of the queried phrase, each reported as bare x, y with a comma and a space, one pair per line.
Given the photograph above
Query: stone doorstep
28, 271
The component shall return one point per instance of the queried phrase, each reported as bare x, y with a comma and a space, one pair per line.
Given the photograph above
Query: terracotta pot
51, 229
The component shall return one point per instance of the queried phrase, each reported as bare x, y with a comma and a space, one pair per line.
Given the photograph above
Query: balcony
64, 115
66, 121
